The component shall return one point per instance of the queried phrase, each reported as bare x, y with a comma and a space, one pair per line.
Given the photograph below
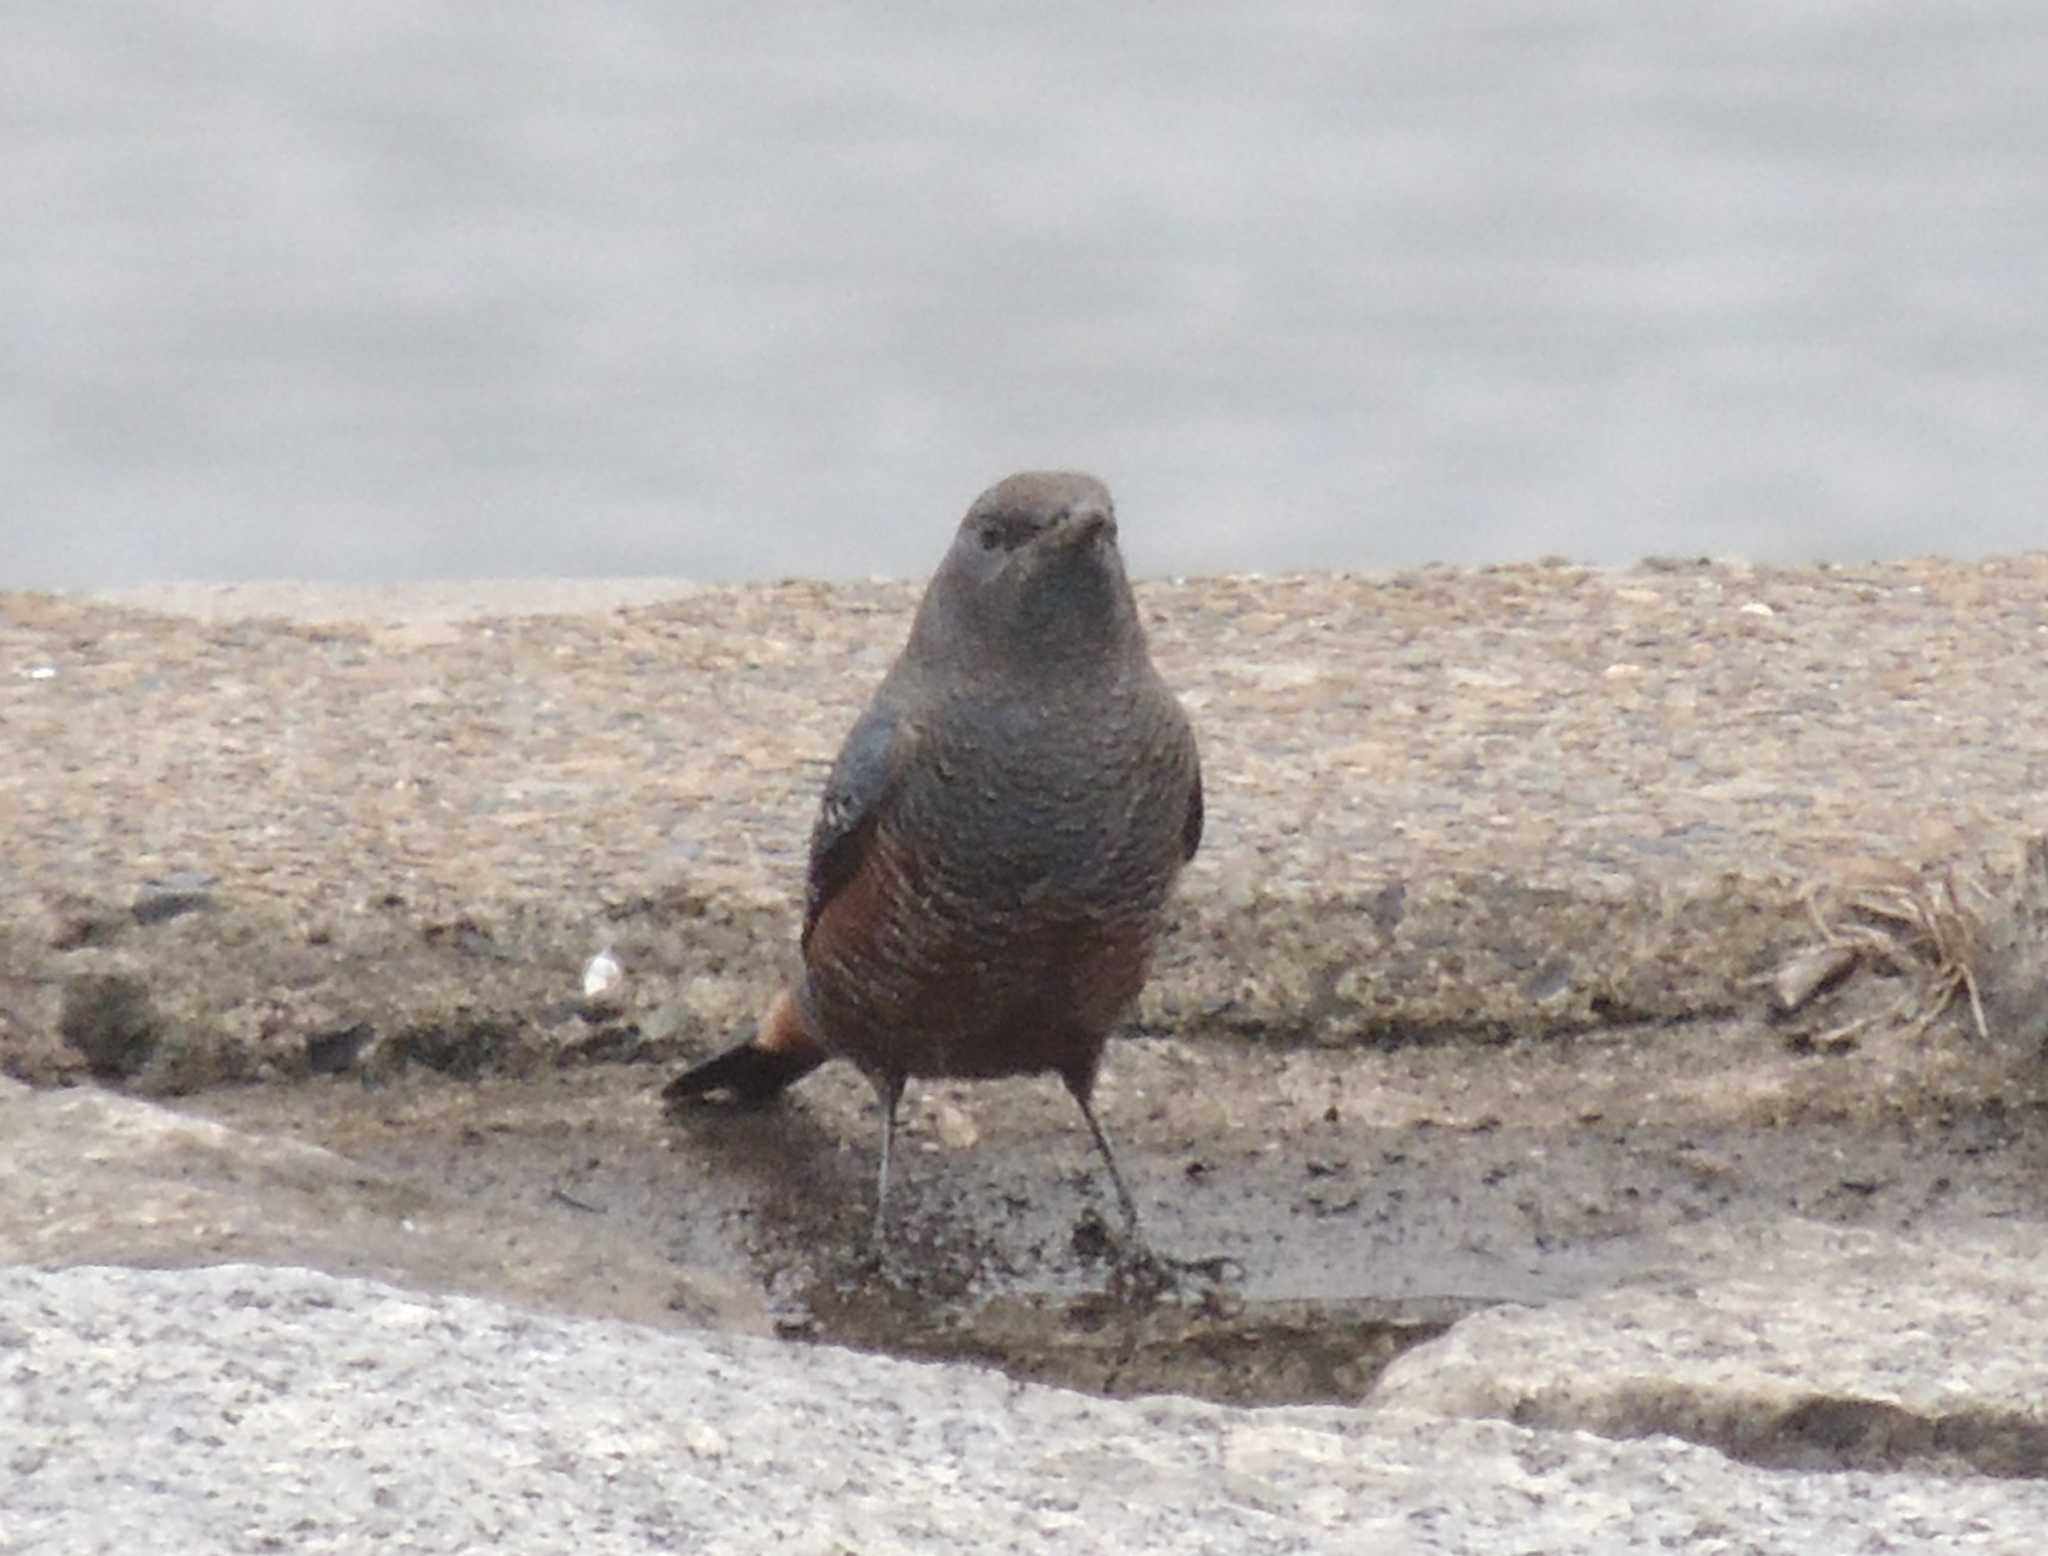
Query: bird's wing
869, 768
1191, 825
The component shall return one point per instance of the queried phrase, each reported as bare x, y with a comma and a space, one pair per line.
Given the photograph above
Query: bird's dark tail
780, 1053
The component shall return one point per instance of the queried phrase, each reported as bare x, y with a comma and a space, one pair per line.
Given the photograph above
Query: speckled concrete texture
1812, 1348
97, 1178
1518, 800
242, 1409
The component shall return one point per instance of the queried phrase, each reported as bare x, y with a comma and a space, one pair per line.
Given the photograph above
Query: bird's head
1034, 577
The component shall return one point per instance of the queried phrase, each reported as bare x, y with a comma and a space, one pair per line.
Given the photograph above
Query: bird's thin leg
1116, 1178
1151, 1271
888, 1092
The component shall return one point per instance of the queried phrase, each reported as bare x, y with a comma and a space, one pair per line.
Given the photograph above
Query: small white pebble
1757, 608
36, 672
602, 975
953, 1124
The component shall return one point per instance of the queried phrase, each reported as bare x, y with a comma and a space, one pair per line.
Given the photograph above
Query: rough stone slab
248, 1409
1516, 800
1787, 1345
92, 1177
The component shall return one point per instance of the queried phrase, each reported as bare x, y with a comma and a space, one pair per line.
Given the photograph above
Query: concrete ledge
289, 1407
1506, 802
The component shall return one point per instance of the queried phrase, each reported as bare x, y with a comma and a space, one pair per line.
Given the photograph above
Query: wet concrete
1345, 1205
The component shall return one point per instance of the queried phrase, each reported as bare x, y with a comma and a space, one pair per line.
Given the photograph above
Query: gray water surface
404, 291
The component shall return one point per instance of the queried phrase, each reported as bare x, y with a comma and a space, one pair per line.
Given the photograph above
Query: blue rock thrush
999, 834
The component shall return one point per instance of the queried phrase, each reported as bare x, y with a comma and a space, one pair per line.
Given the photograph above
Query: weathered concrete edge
177, 994
226, 989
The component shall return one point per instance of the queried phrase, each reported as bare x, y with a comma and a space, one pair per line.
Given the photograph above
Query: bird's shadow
795, 1170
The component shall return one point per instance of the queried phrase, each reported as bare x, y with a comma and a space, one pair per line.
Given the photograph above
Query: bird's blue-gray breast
1019, 865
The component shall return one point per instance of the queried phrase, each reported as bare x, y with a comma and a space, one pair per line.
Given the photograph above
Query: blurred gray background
412, 290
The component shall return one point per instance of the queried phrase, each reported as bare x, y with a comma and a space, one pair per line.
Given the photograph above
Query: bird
999, 835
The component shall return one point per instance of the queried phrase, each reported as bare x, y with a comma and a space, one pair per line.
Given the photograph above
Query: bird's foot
1139, 1272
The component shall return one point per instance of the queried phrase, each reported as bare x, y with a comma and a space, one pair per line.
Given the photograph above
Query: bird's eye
991, 536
